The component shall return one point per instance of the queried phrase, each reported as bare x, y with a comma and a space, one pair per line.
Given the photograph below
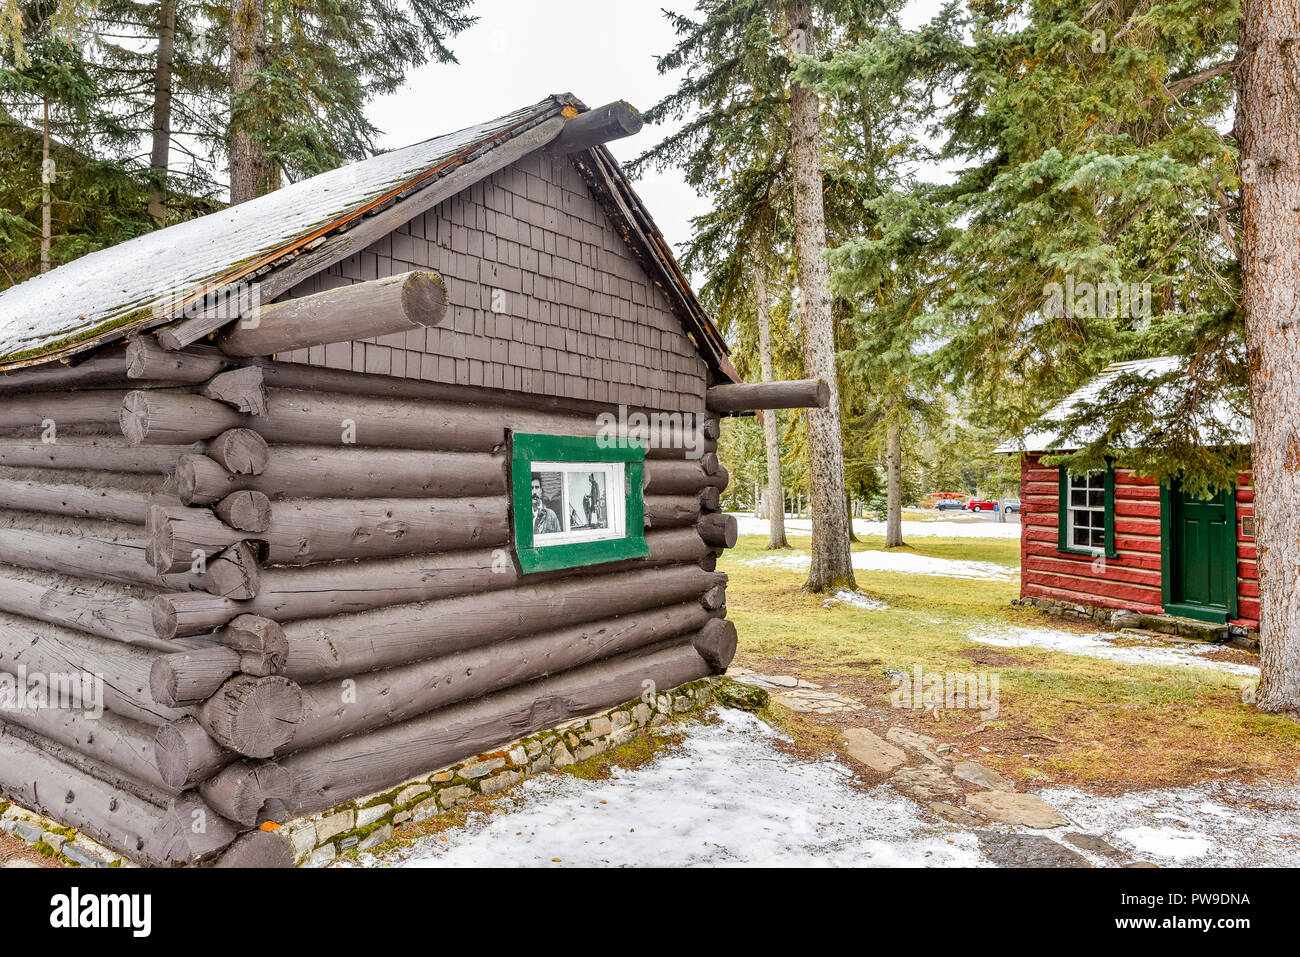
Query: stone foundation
54, 840
370, 821
1118, 618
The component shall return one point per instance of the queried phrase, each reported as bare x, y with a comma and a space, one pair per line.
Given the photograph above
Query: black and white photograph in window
548, 502
577, 502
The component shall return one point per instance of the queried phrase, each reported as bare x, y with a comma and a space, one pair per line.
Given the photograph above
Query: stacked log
230, 547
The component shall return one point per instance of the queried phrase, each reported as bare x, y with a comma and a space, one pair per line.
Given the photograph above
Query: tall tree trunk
159, 154
775, 499
894, 488
1269, 110
247, 56
47, 183
831, 563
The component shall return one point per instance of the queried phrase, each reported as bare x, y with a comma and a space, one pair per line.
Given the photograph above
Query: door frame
1168, 490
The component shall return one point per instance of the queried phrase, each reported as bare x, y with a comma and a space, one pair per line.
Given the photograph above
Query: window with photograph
575, 502
1087, 512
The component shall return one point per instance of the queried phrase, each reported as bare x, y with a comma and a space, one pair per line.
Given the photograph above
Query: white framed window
1086, 512
577, 502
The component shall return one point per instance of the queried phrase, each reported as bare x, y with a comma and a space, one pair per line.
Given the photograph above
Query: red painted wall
1131, 579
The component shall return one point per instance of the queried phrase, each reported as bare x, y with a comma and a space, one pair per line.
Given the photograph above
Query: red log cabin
1120, 540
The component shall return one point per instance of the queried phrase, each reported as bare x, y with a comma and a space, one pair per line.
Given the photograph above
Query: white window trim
615, 502
1070, 508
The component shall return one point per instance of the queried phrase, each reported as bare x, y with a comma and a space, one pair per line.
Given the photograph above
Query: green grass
1063, 718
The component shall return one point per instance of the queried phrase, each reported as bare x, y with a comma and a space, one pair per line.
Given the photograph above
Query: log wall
298, 595
1132, 579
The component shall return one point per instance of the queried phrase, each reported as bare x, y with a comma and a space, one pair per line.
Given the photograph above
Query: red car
975, 505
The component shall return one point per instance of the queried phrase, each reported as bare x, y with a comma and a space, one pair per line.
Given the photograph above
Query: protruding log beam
397, 694
682, 477
240, 452
80, 501
410, 300
710, 499
184, 677
718, 530
146, 359
173, 418
104, 453
364, 763
242, 389
109, 610
260, 848
715, 597
348, 645
69, 413
136, 828
118, 742
750, 396
98, 555
234, 573
185, 754
47, 649
310, 418
254, 716
248, 511
106, 369
676, 545
244, 790
716, 643
671, 511
603, 124
309, 472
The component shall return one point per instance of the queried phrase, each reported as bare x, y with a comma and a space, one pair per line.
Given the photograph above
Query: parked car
1011, 504
949, 505
981, 505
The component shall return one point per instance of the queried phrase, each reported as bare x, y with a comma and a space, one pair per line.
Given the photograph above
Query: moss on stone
733, 694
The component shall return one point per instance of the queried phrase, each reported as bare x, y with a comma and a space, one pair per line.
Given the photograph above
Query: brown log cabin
1121, 540
439, 426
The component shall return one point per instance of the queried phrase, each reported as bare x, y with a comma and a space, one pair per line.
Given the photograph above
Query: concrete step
1185, 628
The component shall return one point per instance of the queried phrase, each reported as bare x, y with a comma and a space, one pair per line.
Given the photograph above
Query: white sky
522, 50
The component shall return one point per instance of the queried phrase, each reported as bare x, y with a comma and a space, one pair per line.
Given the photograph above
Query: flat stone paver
1008, 807
977, 774
1027, 850
872, 750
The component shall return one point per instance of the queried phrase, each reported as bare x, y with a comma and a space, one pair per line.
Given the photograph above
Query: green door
1200, 555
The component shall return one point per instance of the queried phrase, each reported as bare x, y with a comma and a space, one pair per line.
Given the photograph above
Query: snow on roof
1045, 439
147, 279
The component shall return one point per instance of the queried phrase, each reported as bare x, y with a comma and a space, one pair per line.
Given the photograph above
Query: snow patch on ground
927, 528
906, 563
725, 796
856, 599
1219, 824
1102, 645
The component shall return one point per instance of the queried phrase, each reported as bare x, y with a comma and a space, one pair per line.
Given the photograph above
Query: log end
716, 643
424, 298
254, 716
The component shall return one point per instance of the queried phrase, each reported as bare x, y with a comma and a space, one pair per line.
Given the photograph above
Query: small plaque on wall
1248, 526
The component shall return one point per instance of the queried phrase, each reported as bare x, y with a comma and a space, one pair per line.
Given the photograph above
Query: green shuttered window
1086, 517
576, 501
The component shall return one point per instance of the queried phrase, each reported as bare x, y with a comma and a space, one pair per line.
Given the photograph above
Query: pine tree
746, 113
1269, 118
301, 75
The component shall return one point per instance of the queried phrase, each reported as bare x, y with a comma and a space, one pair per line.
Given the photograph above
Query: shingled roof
1221, 418
169, 275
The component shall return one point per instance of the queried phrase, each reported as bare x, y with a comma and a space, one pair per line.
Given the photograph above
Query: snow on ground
1220, 824
1102, 645
856, 599
905, 562
724, 796
926, 528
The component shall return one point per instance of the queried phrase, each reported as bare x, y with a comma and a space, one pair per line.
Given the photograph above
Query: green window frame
1107, 509
525, 450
